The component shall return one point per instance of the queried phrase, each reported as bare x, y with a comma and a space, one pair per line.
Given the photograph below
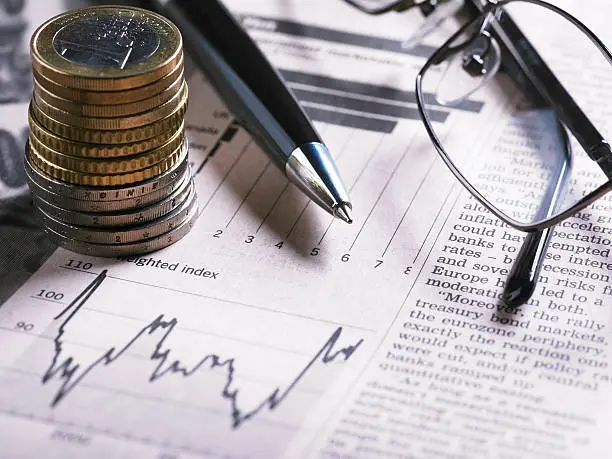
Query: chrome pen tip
343, 212
311, 168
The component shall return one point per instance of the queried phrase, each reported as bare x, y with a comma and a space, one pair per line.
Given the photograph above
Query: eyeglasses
542, 77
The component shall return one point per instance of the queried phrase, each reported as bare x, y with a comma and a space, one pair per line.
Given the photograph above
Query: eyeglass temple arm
523, 276
426, 6
399, 5
514, 42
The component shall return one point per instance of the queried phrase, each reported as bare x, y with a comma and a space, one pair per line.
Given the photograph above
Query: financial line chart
66, 369
235, 377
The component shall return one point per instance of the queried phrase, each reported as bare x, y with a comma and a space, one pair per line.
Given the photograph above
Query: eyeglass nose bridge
482, 56
478, 57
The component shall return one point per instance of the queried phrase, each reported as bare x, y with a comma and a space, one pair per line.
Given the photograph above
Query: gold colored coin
120, 165
111, 97
92, 150
170, 123
118, 123
79, 178
106, 48
107, 110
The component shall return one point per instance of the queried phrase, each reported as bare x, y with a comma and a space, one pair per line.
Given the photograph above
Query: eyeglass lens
525, 166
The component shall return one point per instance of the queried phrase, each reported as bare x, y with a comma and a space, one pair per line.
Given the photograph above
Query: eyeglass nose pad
469, 67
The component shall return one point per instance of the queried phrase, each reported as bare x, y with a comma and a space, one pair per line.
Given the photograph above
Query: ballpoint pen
257, 96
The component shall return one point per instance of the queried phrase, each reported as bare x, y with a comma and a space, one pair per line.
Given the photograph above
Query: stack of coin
106, 159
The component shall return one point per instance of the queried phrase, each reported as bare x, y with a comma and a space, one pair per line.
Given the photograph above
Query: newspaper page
272, 330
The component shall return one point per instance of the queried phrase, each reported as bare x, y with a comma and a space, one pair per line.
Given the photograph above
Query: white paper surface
273, 331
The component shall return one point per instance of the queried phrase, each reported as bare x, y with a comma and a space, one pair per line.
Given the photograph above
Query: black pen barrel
258, 98
253, 90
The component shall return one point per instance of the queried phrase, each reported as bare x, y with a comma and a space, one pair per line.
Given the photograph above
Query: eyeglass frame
435, 58
523, 276
490, 6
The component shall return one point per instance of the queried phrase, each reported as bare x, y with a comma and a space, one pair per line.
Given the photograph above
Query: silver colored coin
106, 41
81, 205
87, 193
122, 235
137, 248
120, 218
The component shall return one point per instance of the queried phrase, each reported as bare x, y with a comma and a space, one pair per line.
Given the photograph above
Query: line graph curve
71, 372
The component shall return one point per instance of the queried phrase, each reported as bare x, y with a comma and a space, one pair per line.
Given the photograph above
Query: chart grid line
244, 149
246, 196
236, 303
386, 185
48, 300
423, 180
200, 332
280, 195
